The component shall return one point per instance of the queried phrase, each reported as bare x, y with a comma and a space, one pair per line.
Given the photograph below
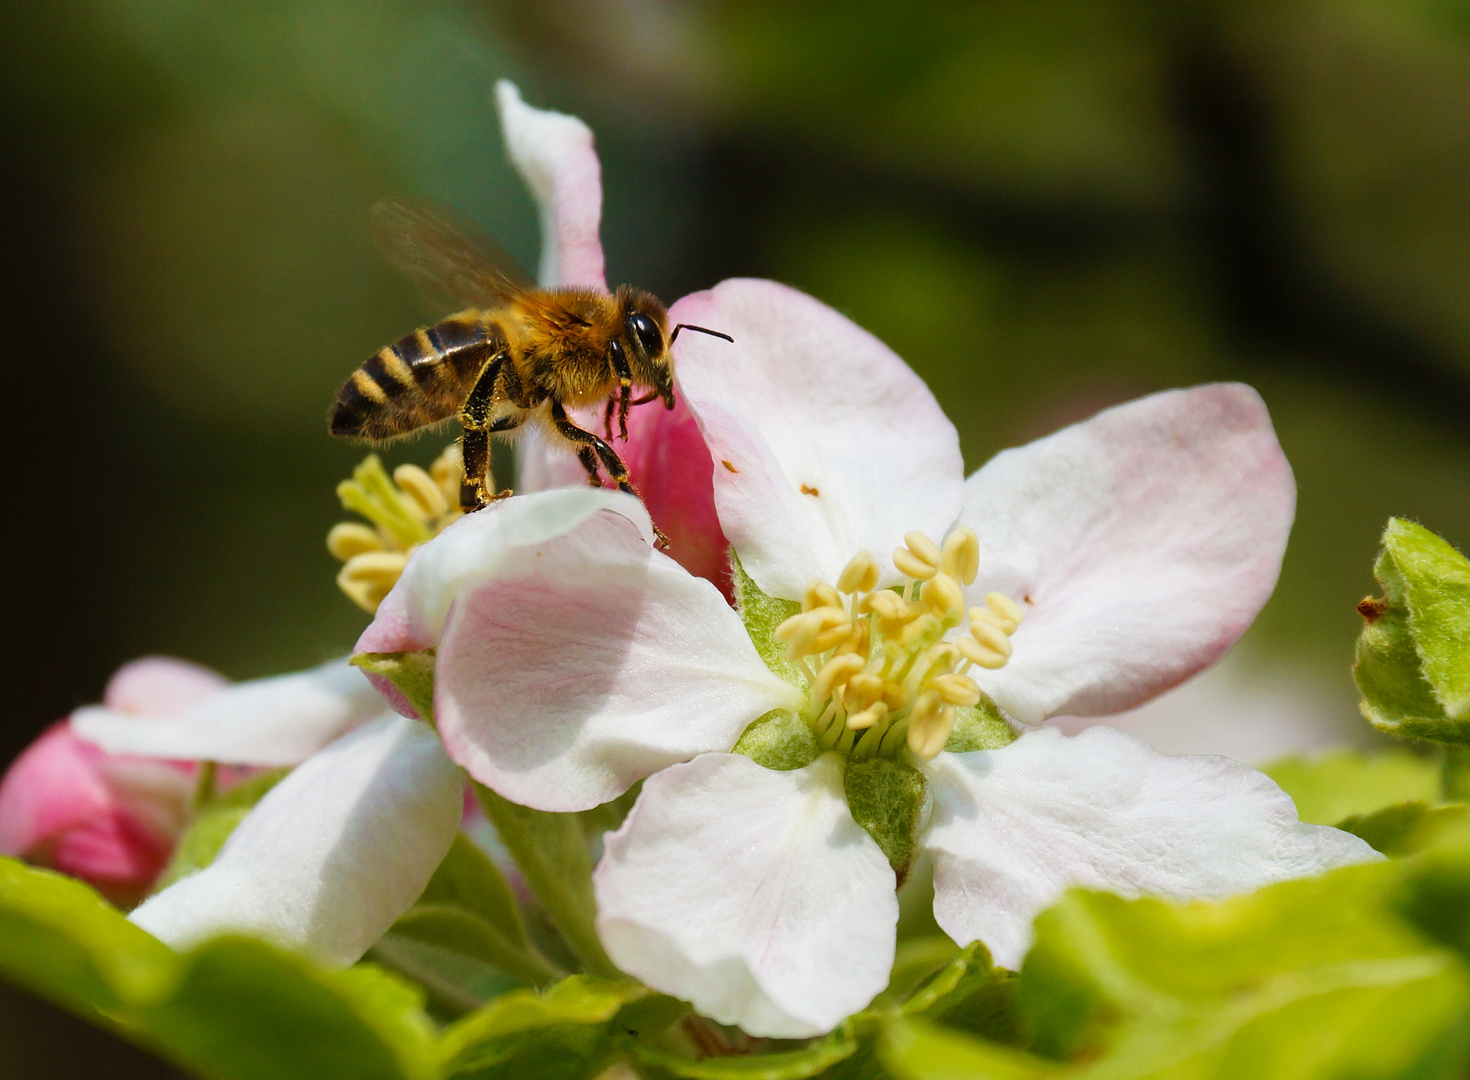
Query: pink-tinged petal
751, 894
160, 686
590, 661
554, 154
332, 855
669, 464
1015, 828
110, 821
1141, 544
281, 720
824, 442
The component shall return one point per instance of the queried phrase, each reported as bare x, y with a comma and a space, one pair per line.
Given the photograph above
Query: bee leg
474, 417
625, 399
473, 489
607, 415
588, 457
591, 449
624, 395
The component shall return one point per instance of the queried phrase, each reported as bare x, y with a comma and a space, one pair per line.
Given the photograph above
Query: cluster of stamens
405, 510
880, 674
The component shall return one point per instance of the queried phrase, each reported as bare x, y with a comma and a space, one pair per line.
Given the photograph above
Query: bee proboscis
520, 354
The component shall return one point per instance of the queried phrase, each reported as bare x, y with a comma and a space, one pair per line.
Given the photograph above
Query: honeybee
520, 355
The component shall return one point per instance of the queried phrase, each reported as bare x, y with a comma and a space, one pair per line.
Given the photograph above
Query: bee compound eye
646, 331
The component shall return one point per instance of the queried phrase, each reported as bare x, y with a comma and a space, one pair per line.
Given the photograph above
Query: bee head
645, 338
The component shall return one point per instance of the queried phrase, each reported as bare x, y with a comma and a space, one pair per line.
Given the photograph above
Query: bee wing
442, 252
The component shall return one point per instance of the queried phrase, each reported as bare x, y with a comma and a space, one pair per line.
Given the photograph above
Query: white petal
589, 662
1014, 828
751, 894
824, 442
1141, 544
469, 552
282, 720
553, 153
332, 855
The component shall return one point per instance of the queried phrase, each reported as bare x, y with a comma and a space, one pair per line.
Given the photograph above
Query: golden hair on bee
519, 355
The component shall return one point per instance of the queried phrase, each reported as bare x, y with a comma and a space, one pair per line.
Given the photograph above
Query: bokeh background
1045, 207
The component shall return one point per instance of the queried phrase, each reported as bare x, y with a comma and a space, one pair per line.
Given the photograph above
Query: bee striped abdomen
419, 380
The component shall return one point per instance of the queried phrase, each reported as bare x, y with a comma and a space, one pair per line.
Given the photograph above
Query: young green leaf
1342, 783
212, 825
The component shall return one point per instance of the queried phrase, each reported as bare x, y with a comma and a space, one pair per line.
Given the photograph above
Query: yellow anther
819, 594
918, 628
1006, 608
960, 558
887, 603
873, 714
926, 739
956, 689
421, 489
895, 696
375, 566
801, 632
941, 595
991, 637
859, 575
857, 640
862, 690
448, 471
923, 548
976, 653
349, 538
835, 673
837, 636
925, 708
910, 565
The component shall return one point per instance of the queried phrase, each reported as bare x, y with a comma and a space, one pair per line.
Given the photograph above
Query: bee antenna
701, 329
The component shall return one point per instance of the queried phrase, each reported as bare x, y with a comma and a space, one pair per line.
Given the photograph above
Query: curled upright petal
158, 686
553, 153
1140, 543
281, 720
332, 855
588, 661
824, 442
750, 893
1014, 828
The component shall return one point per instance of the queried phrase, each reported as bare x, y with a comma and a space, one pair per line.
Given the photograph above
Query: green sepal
551, 851
1342, 783
212, 825
887, 798
979, 727
968, 973
814, 1058
570, 1019
779, 740
761, 614
411, 672
915, 961
1413, 656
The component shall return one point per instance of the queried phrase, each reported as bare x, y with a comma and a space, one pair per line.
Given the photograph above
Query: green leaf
411, 672
1149, 988
915, 961
246, 1011
887, 799
915, 1050
967, 974
979, 727
501, 1029
551, 851
1413, 657
761, 615
232, 1009
456, 930
1343, 783
213, 824
1404, 828
61, 940
1435, 895
469, 879
817, 1056
455, 983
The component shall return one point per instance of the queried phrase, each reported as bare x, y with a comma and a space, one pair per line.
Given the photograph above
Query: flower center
879, 674
405, 510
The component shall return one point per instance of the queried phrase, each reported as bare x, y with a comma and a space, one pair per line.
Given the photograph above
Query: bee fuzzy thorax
880, 672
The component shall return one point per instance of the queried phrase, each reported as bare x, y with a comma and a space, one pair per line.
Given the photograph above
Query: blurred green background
1045, 207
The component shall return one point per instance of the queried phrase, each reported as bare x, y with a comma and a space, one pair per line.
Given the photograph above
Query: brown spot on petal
1372, 607
727, 465
1027, 599
806, 489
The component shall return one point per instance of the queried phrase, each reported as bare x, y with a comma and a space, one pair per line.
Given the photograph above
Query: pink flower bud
110, 820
